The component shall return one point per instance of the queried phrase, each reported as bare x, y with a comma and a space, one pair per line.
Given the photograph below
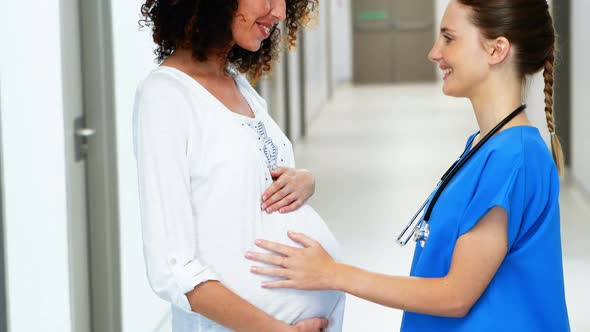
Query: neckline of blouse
243, 91
471, 139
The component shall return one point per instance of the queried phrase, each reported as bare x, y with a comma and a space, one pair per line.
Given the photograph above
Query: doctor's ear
498, 50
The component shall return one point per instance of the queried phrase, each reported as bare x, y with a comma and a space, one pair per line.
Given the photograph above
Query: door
392, 39
293, 91
101, 179
75, 165
91, 165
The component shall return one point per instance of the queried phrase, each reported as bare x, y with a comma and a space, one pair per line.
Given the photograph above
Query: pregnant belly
288, 305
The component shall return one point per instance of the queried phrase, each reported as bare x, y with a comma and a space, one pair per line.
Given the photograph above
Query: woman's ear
498, 50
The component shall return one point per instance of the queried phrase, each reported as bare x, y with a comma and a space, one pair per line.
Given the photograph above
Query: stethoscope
421, 231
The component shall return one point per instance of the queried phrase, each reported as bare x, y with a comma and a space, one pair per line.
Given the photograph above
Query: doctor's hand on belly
290, 190
310, 267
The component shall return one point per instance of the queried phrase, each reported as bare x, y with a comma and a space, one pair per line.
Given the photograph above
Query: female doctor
489, 253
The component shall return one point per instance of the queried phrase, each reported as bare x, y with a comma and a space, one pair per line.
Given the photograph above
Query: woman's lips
264, 30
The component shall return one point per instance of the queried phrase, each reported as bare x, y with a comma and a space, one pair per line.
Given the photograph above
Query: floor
377, 152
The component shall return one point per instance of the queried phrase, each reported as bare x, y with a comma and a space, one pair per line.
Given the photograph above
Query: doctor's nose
435, 54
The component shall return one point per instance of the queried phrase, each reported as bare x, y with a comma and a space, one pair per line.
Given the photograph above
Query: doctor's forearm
214, 301
433, 296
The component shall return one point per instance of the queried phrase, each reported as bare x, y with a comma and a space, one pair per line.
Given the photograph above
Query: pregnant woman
216, 173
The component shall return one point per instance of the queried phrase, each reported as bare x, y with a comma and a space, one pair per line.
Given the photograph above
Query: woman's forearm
214, 301
433, 296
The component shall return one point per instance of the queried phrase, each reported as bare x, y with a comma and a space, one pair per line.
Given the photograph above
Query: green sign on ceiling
372, 15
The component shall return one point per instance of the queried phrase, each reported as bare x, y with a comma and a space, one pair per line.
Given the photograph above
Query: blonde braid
555, 144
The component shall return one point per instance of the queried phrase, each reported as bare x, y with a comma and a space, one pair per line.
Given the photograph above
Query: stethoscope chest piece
422, 234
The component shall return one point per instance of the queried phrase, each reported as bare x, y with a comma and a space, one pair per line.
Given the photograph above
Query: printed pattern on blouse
269, 148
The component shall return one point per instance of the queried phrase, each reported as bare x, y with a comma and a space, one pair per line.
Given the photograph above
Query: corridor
69, 180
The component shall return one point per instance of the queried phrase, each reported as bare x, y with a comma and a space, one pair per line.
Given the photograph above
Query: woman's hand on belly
311, 325
290, 190
310, 267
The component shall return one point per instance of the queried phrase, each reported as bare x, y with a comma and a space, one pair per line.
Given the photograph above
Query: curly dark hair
205, 26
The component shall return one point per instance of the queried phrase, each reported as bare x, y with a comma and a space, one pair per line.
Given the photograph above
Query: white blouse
202, 170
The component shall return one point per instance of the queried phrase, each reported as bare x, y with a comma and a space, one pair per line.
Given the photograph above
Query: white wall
272, 89
133, 59
32, 128
580, 113
294, 95
316, 62
33, 158
341, 40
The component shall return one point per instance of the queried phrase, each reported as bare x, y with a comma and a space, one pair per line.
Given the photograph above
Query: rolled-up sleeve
163, 130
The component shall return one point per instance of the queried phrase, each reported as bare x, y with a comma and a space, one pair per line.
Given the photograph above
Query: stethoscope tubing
462, 161
448, 176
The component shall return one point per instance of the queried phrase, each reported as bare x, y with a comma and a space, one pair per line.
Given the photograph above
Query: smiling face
255, 20
460, 53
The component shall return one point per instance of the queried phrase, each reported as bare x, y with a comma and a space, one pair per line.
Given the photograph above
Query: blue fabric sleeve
501, 184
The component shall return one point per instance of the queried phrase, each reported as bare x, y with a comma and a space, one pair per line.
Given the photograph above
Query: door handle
81, 136
85, 132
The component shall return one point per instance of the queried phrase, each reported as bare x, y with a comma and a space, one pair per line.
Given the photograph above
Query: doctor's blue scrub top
514, 170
